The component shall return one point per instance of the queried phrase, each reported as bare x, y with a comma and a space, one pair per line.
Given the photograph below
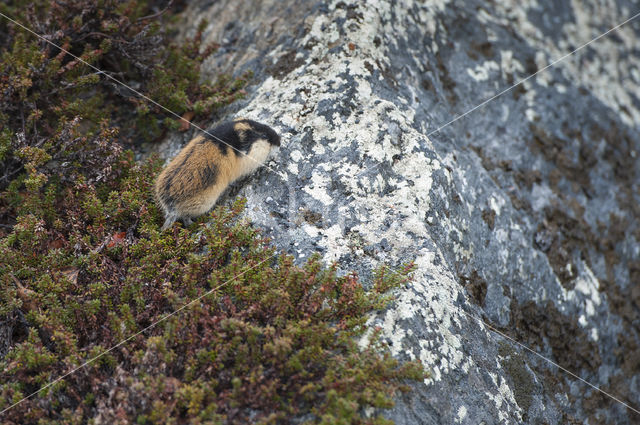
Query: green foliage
269, 341
55, 109
83, 264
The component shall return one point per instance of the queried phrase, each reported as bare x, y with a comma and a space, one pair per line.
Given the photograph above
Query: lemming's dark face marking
226, 135
243, 139
266, 132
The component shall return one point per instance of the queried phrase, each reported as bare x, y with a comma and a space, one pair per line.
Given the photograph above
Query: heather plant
83, 264
273, 341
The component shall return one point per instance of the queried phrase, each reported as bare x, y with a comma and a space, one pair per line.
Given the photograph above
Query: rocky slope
524, 213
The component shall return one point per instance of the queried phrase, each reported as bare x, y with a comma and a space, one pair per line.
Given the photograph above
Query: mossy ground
83, 264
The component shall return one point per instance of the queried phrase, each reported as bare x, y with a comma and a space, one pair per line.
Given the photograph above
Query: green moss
523, 383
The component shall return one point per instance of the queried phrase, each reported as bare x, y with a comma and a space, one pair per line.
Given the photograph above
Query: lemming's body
192, 182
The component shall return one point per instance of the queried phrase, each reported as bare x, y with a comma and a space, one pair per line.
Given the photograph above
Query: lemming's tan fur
194, 180
240, 126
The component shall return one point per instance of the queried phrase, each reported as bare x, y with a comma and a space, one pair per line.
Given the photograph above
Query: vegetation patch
523, 383
83, 264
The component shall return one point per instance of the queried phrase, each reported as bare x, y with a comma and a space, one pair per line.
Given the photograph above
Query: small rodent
192, 182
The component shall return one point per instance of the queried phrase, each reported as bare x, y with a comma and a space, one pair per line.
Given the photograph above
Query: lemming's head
267, 133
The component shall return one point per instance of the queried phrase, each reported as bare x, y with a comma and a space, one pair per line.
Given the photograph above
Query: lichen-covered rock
524, 213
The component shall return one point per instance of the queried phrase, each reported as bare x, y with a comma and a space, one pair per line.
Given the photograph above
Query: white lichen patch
509, 65
588, 286
542, 78
482, 72
462, 414
532, 115
292, 168
317, 189
582, 321
496, 203
295, 155
605, 67
335, 243
310, 230
503, 396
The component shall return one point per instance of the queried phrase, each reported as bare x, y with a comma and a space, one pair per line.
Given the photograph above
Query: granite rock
522, 216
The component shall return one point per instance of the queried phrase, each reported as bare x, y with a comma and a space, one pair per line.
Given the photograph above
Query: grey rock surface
522, 217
